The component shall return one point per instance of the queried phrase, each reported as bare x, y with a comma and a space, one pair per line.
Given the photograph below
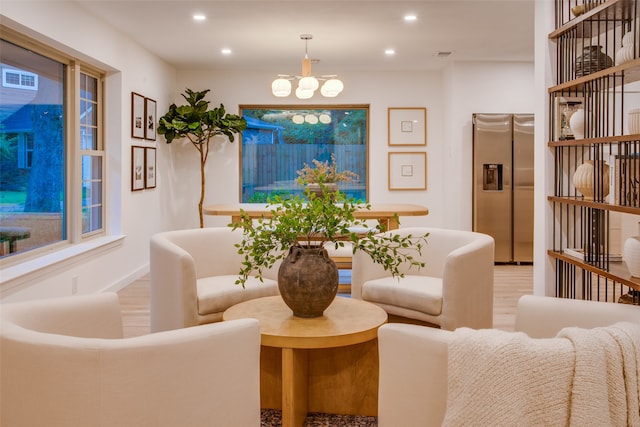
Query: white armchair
193, 274
454, 289
64, 363
414, 359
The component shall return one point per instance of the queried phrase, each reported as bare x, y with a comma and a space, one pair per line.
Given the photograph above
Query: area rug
273, 418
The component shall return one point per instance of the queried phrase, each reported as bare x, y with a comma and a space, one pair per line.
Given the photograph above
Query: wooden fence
269, 168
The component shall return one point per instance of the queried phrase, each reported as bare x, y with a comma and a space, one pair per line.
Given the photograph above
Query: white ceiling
347, 34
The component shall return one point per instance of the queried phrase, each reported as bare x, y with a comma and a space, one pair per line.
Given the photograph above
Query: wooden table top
377, 210
347, 321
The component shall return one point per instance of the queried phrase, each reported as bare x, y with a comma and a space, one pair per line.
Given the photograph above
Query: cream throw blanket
582, 377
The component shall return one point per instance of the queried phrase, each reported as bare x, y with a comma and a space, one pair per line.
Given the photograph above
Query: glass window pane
279, 142
32, 166
91, 219
92, 198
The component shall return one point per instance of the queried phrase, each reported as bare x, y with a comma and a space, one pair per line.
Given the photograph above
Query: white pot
633, 122
583, 179
627, 39
624, 54
576, 123
631, 254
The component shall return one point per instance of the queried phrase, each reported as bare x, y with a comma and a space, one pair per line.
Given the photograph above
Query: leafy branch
331, 217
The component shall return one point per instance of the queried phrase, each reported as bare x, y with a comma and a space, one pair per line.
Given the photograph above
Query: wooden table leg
295, 387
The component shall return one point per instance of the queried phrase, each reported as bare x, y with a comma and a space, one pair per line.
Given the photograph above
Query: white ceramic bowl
633, 122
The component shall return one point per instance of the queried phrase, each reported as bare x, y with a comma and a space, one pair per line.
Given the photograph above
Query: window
280, 140
50, 148
19, 79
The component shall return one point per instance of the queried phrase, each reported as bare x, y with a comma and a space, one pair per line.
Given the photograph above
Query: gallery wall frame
407, 126
137, 116
149, 167
150, 119
407, 170
137, 167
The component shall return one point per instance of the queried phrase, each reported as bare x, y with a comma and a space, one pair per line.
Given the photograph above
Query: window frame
73, 172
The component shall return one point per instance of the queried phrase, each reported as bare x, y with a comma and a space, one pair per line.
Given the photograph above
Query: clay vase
631, 254
593, 59
308, 281
330, 189
583, 179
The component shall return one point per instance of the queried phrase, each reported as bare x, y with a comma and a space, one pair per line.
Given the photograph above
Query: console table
386, 213
325, 364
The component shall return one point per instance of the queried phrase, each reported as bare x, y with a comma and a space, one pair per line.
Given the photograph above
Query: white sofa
455, 288
63, 362
414, 359
193, 274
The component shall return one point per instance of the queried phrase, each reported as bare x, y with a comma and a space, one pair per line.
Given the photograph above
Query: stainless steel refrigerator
503, 183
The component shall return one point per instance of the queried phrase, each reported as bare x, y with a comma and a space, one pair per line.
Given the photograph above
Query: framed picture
149, 167
407, 171
407, 126
280, 139
137, 168
150, 119
137, 116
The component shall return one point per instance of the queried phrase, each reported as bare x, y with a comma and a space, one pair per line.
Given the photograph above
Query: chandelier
307, 84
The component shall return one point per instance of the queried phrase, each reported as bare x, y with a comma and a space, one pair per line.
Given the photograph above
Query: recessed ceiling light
389, 52
199, 17
226, 51
410, 17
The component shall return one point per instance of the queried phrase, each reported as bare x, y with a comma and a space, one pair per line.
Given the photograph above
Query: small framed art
150, 119
137, 168
149, 167
137, 116
407, 126
407, 171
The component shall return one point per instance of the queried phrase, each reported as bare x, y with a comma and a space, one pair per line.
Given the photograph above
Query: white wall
451, 97
137, 215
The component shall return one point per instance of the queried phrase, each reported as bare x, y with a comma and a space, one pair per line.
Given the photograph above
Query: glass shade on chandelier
331, 88
307, 86
281, 87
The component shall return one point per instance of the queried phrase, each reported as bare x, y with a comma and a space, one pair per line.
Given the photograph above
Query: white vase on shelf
633, 121
583, 178
631, 254
576, 123
626, 53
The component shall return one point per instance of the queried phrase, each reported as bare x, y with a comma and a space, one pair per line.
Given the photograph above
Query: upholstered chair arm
363, 269
413, 375
544, 317
95, 316
467, 293
173, 278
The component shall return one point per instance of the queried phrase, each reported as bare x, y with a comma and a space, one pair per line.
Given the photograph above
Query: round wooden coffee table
325, 364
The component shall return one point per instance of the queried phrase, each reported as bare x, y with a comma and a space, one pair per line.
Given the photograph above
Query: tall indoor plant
196, 122
298, 228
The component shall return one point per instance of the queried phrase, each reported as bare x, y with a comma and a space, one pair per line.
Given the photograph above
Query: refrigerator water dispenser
492, 177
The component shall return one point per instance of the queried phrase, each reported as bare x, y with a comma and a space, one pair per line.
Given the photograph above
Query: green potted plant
295, 233
196, 122
324, 173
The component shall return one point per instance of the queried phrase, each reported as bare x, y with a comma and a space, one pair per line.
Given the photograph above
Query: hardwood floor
510, 283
